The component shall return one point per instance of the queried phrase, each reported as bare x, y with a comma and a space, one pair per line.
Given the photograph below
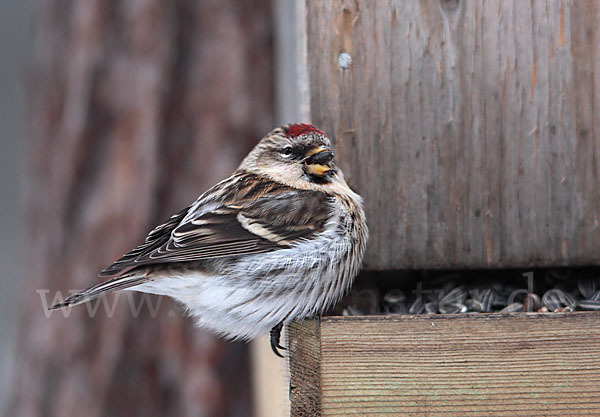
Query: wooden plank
469, 127
304, 344
456, 365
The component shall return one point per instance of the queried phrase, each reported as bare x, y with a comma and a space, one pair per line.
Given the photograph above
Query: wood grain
458, 365
469, 127
304, 341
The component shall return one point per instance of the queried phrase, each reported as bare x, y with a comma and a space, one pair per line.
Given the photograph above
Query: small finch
281, 239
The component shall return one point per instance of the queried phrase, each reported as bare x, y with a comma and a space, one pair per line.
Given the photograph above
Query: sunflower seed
552, 300
474, 305
587, 287
456, 295
395, 302
512, 308
431, 307
395, 296
556, 290
569, 300
487, 300
417, 306
588, 305
453, 308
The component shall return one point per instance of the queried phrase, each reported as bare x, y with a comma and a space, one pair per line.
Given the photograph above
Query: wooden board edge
304, 342
462, 316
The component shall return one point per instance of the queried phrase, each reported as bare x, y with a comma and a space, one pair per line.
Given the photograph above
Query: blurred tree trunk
137, 108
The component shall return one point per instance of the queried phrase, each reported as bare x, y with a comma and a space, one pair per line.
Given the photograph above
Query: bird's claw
275, 338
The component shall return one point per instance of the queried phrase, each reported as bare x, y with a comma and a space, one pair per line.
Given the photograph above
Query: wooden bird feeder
472, 131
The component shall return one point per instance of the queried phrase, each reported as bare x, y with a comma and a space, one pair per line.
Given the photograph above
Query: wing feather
251, 215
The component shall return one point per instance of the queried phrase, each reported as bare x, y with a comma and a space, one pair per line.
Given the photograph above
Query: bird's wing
255, 216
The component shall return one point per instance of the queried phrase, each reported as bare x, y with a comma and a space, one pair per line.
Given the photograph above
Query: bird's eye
287, 151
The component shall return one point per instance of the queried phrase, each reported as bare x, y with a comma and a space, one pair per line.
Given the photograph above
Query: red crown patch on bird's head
298, 129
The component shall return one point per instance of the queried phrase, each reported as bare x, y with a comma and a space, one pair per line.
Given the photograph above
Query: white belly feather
259, 291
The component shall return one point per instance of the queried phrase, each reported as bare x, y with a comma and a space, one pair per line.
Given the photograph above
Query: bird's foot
275, 338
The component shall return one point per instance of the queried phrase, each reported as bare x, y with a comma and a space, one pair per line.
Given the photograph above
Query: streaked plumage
281, 239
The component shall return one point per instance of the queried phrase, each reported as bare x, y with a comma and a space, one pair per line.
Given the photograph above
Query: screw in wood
345, 60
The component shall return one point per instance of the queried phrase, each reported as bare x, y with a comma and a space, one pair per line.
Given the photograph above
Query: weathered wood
469, 127
304, 341
453, 365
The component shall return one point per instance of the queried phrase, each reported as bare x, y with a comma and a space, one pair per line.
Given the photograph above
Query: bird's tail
115, 284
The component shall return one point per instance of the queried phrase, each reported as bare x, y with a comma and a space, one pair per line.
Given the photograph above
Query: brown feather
253, 215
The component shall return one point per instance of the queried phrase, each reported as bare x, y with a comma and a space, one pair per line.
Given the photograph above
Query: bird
281, 239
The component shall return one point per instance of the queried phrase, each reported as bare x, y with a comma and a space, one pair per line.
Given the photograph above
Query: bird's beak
317, 160
317, 150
